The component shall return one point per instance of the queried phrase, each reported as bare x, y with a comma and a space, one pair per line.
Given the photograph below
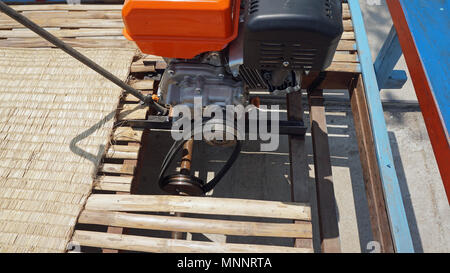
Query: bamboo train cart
114, 207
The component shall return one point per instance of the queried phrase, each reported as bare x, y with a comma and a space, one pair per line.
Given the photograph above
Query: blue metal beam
393, 197
386, 60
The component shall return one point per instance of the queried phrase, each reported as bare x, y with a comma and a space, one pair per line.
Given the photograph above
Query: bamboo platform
56, 116
115, 207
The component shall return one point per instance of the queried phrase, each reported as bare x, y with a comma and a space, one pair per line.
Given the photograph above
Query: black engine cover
292, 34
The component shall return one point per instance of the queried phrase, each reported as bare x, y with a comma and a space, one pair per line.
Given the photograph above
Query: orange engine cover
181, 28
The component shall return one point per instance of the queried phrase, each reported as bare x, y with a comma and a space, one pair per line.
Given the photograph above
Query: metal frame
401, 234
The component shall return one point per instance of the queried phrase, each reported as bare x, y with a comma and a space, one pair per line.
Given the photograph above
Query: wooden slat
348, 25
140, 67
374, 190
346, 15
128, 134
344, 67
200, 205
113, 183
348, 35
116, 168
346, 45
326, 201
129, 98
133, 111
125, 148
66, 22
347, 58
122, 152
148, 244
149, 60
66, 7
66, 33
143, 84
299, 170
114, 179
84, 43
117, 187
333, 80
196, 225
32, 15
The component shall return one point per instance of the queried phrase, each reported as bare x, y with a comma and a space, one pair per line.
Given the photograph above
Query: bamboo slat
193, 225
56, 116
148, 244
127, 134
66, 7
216, 206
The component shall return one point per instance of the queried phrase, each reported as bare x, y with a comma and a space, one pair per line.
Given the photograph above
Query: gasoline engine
221, 49
218, 51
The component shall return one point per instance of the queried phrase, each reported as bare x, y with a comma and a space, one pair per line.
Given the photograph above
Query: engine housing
292, 35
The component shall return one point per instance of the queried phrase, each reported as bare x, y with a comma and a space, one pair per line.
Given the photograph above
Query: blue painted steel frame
387, 58
393, 197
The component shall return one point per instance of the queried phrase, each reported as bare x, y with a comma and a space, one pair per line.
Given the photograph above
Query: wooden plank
32, 15
122, 152
84, 43
393, 195
149, 60
140, 67
348, 25
333, 80
196, 225
344, 67
116, 168
374, 191
125, 148
143, 84
147, 244
348, 35
127, 134
132, 163
65, 22
129, 165
66, 7
116, 231
346, 15
129, 98
299, 170
346, 58
114, 179
66, 33
133, 111
326, 201
117, 187
200, 205
346, 45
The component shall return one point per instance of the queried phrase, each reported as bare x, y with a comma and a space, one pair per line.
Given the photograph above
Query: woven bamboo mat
56, 116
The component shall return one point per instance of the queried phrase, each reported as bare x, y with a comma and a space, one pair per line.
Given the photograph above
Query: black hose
80, 57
